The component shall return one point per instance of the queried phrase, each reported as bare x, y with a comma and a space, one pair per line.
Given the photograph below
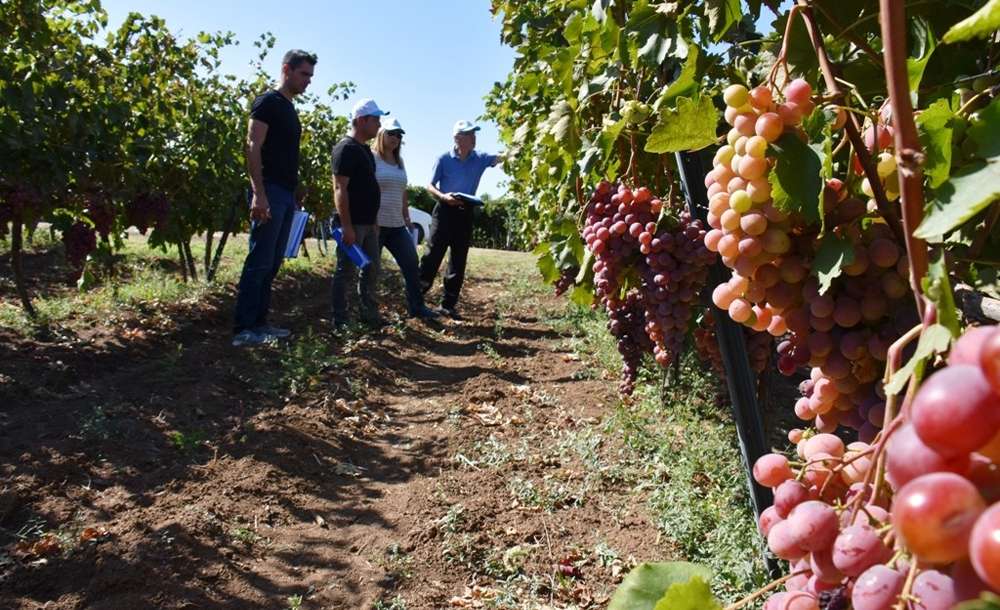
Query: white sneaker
273, 331
248, 337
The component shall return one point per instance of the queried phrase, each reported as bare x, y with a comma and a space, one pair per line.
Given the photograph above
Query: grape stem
851, 126
904, 596
770, 587
910, 156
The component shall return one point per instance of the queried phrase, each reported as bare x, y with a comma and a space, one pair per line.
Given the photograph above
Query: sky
428, 62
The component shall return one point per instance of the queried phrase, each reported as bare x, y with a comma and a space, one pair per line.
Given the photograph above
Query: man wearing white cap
356, 196
456, 174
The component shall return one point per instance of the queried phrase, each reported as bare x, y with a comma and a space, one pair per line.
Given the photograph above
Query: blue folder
299, 220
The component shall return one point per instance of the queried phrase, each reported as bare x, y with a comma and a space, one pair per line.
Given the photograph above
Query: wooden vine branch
851, 127
909, 154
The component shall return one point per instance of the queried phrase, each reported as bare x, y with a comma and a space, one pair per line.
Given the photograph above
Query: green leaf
923, 42
797, 182
981, 23
985, 130
691, 125
935, 339
937, 287
967, 193
686, 82
692, 595
582, 295
722, 14
834, 254
934, 126
647, 583
546, 263
586, 268
987, 601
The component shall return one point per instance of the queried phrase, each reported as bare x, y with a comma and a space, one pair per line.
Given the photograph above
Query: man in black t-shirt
272, 151
356, 195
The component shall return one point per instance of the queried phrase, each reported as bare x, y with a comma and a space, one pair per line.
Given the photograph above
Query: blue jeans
267, 250
366, 236
400, 245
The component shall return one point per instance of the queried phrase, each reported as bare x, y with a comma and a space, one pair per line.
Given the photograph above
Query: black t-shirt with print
356, 161
280, 153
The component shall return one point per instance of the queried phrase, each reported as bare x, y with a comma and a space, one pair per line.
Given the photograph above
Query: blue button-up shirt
452, 175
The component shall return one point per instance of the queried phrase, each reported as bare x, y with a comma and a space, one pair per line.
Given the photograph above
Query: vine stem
909, 154
851, 127
772, 586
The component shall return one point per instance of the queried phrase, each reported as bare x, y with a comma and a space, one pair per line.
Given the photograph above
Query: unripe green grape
886, 164
740, 201
736, 95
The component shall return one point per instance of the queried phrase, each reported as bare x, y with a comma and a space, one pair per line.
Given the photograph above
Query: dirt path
459, 464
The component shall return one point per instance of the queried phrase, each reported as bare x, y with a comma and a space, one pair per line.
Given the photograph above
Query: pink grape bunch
842, 334
933, 535
629, 236
147, 210
567, 279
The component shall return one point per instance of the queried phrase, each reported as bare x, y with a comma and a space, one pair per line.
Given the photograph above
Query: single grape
736, 96
769, 126
934, 515
989, 360
955, 411
798, 91
789, 494
984, 547
934, 591
877, 588
813, 525
857, 548
772, 469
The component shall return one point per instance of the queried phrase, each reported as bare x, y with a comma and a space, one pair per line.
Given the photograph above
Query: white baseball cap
464, 127
367, 107
393, 125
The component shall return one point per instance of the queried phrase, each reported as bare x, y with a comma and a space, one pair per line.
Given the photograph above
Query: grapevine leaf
834, 254
797, 182
586, 268
981, 23
546, 263
985, 131
987, 601
924, 43
582, 295
935, 339
689, 126
685, 84
722, 14
967, 193
934, 125
647, 583
692, 595
609, 135
589, 159
937, 287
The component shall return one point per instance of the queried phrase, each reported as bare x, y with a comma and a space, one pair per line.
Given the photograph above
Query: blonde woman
394, 215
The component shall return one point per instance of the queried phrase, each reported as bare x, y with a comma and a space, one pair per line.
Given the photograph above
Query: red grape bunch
79, 240
147, 210
932, 536
649, 269
100, 210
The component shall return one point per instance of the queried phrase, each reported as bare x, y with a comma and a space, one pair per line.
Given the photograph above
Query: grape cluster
566, 280
841, 334
147, 210
99, 209
79, 241
649, 270
933, 536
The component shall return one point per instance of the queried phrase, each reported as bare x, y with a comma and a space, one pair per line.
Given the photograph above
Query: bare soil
145, 463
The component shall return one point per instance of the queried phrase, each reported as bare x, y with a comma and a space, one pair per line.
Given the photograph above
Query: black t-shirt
280, 153
356, 161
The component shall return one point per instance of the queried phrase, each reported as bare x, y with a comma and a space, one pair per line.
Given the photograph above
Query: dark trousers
400, 244
451, 228
267, 250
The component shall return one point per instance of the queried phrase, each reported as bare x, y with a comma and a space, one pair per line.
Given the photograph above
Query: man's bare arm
444, 198
260, 207
343, 204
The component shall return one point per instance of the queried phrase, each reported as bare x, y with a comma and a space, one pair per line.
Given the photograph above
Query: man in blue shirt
456, 173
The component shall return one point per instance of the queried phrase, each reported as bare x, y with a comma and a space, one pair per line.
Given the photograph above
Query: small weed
186, 442
397, 564
96, 426
245, 535
295, 602
396, 603
304, 360
491, 352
